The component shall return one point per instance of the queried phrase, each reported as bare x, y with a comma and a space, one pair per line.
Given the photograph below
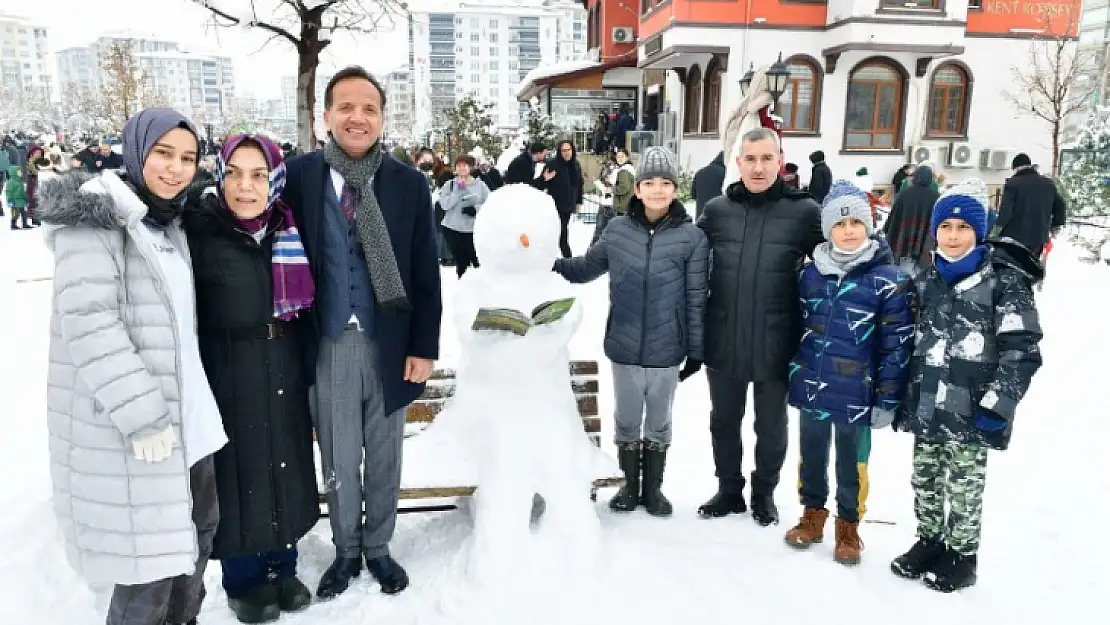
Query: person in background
441, 175
461, 199
562, 179
790, 179
126, 381
254, 290
15, 194
977, 351
904, 172
622, 185
658, 261
1032, 207
849, 373
907, 227
820, 179
522, 169
489, 174
5, 163
708, 182
36, 159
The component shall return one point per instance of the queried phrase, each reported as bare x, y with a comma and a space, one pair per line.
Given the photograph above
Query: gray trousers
349, 415
644, 399
176, 599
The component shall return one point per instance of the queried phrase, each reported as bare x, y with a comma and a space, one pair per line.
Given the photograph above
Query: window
474, 65
493, 65
474, 37
798, 104
458, 34
493, 23
474, 23
711, 97
475, 77
475, 51
493, 37
948, 101
692, 107
874, 111
974, 4
493, 50
929, 5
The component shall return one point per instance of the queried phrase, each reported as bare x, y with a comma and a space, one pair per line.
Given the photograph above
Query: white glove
881, 418
154, 447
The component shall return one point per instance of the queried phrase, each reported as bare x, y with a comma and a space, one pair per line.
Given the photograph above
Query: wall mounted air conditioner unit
622, 34
921, 153
960, 156
996, 158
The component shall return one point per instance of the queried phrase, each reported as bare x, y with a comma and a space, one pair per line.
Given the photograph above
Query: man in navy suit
368, 229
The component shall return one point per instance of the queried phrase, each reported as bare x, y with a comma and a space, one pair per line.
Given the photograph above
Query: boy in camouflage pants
975, 355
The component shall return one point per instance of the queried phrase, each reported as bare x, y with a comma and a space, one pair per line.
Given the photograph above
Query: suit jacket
406, 205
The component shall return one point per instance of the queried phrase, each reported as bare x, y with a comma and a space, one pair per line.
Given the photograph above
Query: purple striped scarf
294, 289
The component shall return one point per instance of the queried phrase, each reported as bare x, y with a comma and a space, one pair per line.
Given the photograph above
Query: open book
519, 323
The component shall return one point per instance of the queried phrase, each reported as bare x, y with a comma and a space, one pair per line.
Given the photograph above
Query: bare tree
309, 26
1053, 84
83, 112
124, 85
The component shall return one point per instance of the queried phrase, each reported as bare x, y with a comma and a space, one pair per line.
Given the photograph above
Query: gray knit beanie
657, 162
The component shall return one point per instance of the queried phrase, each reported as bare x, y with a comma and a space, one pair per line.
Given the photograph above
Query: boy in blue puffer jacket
658, 263
851, 367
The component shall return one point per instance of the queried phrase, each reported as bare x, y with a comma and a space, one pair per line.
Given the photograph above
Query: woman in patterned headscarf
254, 289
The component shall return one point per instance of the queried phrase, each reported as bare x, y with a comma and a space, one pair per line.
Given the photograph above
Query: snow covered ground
1043, 557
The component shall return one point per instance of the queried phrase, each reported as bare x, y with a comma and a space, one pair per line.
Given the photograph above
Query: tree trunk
308, 58
1055, 148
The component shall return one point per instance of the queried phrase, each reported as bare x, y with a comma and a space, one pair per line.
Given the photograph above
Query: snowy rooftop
552, 71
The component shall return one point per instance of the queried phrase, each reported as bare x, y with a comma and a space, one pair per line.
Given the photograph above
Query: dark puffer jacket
977, 347
759, 241
657, 286
265, 475
857, 342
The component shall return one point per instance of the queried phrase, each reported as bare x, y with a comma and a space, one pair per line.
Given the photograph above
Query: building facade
192, 82
400, 105
485, 48
873, 83
1094, 41
23, 57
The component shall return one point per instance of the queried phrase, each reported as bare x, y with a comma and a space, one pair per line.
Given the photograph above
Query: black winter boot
764, 510
723, 504
923, 557
259, 606
15, 222
953, 572
292, 595
651, 494
628, 456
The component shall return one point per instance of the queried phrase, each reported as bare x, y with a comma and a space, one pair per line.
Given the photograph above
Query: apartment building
485, 48
23, 56
400, 105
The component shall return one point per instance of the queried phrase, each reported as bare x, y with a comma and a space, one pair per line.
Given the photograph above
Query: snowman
513, 425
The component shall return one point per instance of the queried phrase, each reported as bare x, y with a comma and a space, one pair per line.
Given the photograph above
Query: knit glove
881, 418
470, 211
691, 367
154, 447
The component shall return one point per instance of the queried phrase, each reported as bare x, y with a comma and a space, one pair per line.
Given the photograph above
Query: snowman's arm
557, 334
588, 267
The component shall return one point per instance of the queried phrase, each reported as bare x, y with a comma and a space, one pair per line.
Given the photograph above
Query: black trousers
729, 397
462, 248
564, 237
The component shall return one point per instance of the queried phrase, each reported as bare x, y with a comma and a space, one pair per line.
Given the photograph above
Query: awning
683, 56
545, 75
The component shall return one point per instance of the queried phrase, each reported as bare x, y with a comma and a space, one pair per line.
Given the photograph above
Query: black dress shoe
293, 596
338, 577
389, 574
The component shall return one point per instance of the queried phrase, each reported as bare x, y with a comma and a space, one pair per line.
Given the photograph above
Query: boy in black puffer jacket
658, 262
975, 355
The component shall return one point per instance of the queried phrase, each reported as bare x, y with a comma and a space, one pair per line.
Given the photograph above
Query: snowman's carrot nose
524, 241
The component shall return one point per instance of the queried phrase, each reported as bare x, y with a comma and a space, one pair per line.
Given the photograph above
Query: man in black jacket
522, 169
1031, 206
820, 179
759, 233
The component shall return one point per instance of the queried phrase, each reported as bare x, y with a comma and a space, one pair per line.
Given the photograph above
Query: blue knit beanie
965, 200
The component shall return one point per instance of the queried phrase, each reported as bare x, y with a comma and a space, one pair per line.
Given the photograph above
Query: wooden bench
441, 387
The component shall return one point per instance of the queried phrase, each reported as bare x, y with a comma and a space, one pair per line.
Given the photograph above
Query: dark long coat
265, 475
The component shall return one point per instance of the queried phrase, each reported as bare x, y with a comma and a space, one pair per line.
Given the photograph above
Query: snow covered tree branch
309, 26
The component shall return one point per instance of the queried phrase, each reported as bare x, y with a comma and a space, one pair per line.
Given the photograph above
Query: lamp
777, 75
746, 81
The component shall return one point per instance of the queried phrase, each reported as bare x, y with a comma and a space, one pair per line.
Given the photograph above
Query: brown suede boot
848, 543
810, 529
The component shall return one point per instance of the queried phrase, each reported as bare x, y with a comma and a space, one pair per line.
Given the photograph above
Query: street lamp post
776, 76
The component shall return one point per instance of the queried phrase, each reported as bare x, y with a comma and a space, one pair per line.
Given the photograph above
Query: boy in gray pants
658, 263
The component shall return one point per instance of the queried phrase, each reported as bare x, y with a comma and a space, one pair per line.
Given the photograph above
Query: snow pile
513, 425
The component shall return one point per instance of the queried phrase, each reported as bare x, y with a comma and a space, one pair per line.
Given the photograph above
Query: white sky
78, 22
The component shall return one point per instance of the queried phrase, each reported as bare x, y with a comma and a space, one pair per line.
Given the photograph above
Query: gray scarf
389, 289
833, 262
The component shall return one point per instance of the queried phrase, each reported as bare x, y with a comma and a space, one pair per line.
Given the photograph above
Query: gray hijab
141, 132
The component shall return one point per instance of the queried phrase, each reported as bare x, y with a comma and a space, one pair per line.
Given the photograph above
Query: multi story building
400, 105
23, 51
872, 83
485, 48
192, 81
289, 98
1094, 41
